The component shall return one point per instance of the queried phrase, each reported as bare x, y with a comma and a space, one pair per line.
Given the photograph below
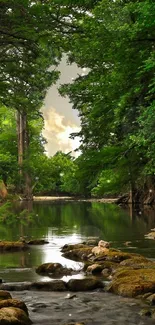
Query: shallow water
93, 308
70, 222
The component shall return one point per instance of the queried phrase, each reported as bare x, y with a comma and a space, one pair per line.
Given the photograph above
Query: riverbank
70, 198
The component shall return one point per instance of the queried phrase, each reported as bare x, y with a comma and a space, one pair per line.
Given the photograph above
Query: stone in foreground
13, 316
14, 303
131, 283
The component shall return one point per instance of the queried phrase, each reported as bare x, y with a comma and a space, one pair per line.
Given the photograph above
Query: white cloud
57, 131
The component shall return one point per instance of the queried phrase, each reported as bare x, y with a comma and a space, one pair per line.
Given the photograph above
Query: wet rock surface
14, 316
87, 308
8, 246
54, 269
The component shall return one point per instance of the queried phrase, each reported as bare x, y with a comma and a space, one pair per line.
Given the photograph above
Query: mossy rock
97, 268
8, 246
131, 283
78, 254
55, 269
138, 262
86, 284
14, 303
94, 269
56, 285
115, 256
14, 316
4, 295
69, 247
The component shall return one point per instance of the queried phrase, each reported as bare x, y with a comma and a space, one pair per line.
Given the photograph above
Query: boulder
14, 303
78, 254
114, 256
16, 286
57, 285
94, 269
103, 244
131, 283
91, 242
86, 284
55, 269
4, 295
99, 250
12, 246
14, 316
69, 247
138, 262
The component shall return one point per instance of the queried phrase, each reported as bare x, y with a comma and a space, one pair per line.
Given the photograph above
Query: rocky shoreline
107, 271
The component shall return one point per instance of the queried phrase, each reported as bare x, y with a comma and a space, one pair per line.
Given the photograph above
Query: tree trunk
23, 154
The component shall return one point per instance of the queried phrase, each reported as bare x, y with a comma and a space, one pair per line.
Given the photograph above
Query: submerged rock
86, 284
12, 246
55, 269
57, 285
14, 316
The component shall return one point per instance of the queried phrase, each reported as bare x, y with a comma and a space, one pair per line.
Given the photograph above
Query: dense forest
115, 41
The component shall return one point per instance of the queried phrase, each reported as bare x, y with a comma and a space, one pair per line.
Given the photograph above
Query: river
70, 222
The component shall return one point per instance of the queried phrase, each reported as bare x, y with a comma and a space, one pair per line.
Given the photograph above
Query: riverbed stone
14, 303
55, 269
138, 262
14, 316
4, 295
94, 269
131, 283
69, 247
56, 285
78, 254
86, 284
6, 246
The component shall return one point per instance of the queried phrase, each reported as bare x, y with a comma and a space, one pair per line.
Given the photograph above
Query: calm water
71, 222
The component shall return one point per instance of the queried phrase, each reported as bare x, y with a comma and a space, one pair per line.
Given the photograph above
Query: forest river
73, 222
61, 223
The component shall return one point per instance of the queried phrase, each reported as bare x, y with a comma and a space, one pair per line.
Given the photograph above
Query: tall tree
117, 46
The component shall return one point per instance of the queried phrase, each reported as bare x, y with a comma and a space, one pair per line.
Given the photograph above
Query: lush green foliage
115, 40
115, 99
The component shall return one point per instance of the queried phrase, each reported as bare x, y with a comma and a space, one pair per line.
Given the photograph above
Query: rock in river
13, 316
6, 246
84, 284
55, 269
14, 303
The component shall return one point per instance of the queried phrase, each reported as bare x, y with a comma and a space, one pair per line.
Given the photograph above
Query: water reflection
71, 222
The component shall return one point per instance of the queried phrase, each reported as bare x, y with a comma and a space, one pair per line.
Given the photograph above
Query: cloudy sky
60, 119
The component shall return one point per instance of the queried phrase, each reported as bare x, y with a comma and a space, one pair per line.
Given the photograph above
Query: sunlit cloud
57, 131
